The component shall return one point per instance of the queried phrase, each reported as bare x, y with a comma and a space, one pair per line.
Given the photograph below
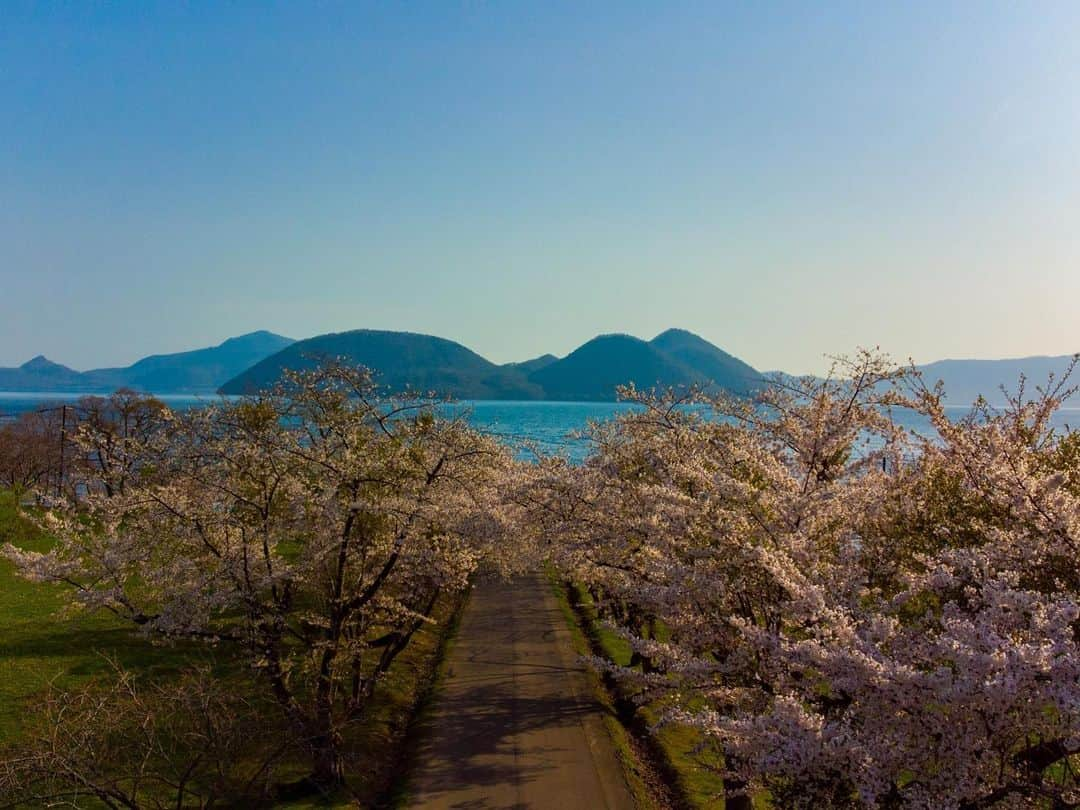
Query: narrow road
515, 725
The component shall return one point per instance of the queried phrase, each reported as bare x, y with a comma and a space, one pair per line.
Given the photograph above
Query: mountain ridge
965, 380
592, 371
194, 371
429, 363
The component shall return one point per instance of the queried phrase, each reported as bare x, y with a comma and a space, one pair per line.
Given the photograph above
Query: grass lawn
40, 644
693, 771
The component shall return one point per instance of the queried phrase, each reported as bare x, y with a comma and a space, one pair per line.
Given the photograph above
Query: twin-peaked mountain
592, 372
673, 358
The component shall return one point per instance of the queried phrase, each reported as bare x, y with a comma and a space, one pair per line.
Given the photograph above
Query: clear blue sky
788, 181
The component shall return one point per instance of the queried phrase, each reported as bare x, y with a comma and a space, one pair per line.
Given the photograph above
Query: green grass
379, 745
691, 767
41, 643
638, 777
382, 743
429, 689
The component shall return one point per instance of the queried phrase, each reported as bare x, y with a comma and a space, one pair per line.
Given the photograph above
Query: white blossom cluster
858, 616
314, 528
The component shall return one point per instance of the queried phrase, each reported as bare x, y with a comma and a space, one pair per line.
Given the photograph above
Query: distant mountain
199, 371
594, 370
715, 365
675, 358
591, 372
400, 360
965, 380
40, 374
426, 363
537, 363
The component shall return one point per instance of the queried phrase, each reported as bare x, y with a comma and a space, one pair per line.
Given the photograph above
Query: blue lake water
545, 425
548, 426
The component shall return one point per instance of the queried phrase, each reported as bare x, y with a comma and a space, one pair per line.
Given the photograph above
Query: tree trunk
327, 772
741, 800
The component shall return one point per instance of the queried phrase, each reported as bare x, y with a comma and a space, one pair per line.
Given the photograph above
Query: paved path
515, 725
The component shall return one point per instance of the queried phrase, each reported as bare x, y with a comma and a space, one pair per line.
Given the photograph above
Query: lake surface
546, 425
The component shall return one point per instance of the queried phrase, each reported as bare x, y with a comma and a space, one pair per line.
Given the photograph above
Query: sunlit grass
691, 765
42, 644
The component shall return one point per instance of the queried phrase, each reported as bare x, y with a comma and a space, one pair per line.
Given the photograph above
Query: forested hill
675, 358
401, 360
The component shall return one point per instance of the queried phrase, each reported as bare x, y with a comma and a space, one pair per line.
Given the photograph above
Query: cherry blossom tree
38, 451
125, 742
861, 617
29, 451
313, 528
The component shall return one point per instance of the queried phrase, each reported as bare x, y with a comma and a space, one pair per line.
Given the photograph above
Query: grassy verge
400, 790
645, 783
674, 755
380, 747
